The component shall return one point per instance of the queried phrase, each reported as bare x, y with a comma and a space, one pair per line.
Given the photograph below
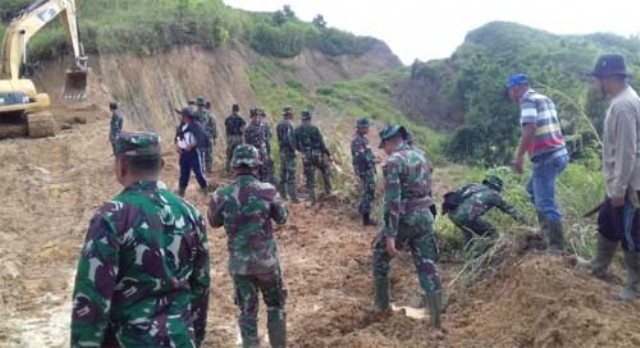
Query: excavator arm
27, 24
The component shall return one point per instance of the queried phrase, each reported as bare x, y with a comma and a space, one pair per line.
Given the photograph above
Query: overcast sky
433, 29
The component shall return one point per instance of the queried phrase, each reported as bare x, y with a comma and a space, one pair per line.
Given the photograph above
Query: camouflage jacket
286, 138
309, 139
477, 200
116, 126
234, 125
246, 209
266, 129
407, 185
362, 156
208, 123
143, 275
254, 135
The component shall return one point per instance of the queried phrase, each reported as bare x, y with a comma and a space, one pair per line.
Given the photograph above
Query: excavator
24, 111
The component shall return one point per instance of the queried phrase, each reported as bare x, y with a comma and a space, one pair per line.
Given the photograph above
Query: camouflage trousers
274, 295
270, 171
232, 142
311, 161
208, 155
479, 227
287, 168
416, 233
368, 186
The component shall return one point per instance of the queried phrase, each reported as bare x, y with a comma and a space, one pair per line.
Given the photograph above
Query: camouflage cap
262, 113
200, 101
246, 155
494, 182
137, 144
306, 115
254, 112
287, 110
391, 131
364, 122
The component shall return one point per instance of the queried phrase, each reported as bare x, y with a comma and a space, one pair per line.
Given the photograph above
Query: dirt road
51, 187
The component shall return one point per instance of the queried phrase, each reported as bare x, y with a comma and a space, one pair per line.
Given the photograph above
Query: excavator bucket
75, 86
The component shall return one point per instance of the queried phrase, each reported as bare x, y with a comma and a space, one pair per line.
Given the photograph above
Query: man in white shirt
190, 138
619, 217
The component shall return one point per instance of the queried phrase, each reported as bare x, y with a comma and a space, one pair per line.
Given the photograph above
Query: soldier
287, 146
474, 201
407, 221
266, 128
408, 138
234, 126
189, 143
254, 135
204, 117
310, 142
245, 209
116, 124
143, 274
364, 165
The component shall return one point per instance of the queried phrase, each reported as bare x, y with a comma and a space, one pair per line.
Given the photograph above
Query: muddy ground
51, 187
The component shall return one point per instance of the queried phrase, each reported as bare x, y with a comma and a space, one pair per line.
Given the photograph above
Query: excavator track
41, 124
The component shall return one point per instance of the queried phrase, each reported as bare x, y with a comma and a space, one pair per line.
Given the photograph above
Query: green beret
137, 144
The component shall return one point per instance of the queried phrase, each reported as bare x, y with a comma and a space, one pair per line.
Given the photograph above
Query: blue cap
517, 80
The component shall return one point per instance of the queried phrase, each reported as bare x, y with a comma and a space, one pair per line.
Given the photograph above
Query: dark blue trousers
191, 162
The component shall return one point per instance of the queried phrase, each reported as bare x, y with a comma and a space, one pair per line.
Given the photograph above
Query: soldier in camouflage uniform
269, 165
407, 221
116, 124
310, 142
143, 274
287, 145
234, 125
245, 209
408, 138
364, 165
254, 135
477, 200
204, 117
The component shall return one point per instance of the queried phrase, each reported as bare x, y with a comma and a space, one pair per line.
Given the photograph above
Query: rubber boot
605, 250
381, 296
632, 289
327, 185
282, 191
277, 328
542, 221
556, 235
293, 193
250, 342
312, 197
367, 221
434, 302
181, 191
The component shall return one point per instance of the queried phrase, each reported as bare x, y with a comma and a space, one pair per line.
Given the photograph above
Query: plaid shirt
539, 110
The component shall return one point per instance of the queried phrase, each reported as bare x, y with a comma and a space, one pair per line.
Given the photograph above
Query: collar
145, 185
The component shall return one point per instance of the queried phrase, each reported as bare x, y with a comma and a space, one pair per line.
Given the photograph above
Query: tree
279, 18
319, 22
288, 12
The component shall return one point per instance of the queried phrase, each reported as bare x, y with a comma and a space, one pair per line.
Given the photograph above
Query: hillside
465, 92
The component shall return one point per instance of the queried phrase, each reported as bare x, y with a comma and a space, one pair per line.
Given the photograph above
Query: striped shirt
537, 109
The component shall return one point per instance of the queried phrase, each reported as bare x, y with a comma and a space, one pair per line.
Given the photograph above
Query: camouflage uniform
254, 135
287, 146
116, 125
245, 209
477, 201
234, 126
143, 275
364, 166
408, 220
310, 142
269, 165
207, 121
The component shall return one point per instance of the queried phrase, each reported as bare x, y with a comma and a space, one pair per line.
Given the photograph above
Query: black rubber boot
605, 250
434, 302
277, 328
293, 193
381, 297
555, 235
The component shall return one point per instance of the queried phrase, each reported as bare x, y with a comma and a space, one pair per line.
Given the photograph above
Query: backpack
453, 199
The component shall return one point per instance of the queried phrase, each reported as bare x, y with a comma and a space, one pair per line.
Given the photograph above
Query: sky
423, 29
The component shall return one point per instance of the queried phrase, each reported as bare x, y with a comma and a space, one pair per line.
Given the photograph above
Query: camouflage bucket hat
391, 131
494, 182
200, 101
246, 155
254, 112
364, 123
306, 115
137, 144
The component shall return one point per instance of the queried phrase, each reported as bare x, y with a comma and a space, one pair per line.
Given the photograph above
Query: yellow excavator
24, 111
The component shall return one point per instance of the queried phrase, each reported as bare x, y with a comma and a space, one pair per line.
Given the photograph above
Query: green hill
473, 79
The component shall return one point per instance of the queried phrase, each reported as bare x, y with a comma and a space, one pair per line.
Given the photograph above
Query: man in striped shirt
542, 139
